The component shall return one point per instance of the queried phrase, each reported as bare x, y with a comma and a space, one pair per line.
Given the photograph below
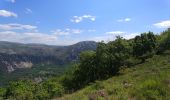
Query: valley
29, 61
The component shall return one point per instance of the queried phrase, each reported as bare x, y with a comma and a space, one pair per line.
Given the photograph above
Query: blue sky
65, 22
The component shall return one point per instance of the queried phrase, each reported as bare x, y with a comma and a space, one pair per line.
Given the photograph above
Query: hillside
16, 55
23, 61
135, 69
147, 81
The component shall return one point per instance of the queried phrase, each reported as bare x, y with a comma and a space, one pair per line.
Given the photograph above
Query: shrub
21, 90
54, 89
2, 93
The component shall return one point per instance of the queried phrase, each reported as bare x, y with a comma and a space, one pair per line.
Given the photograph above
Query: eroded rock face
23, 64
7, 66
14, 65
10, 68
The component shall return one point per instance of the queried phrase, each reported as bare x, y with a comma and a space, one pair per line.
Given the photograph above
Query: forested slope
135, 69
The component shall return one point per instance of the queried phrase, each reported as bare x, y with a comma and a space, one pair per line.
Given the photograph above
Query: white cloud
105, 38
23, 33
5, 13
28, 10
28, 37
163, 24
130, 35
78, 19
126, 35
110, 36
5, 33
36, 37
15, 26
115, 32
124, 20
67, 31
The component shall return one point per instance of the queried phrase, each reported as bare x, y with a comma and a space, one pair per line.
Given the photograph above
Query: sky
65, 22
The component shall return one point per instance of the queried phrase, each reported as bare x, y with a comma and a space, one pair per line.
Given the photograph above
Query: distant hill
15, 56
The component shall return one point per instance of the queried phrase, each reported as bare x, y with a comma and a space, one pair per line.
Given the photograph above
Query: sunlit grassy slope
147, 81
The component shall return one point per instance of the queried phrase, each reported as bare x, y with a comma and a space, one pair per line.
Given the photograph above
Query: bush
54, 89
41, 93
2, 93
21, 90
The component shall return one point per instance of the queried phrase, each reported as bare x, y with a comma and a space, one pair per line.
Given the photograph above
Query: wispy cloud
25, 33
115, 32
36, 37
105, 38
110, 36
130, 35
163, 24
15, 26
28, 37
78, 19
5, 13
124, 20
67, 31
28, 10
91, 30
12, 1
126, 35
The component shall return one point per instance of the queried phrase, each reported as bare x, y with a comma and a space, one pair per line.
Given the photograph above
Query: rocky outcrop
23, 64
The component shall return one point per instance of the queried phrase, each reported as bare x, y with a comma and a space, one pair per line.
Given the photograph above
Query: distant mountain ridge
14, 56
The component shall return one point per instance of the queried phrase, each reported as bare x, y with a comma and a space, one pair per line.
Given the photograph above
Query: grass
147, 81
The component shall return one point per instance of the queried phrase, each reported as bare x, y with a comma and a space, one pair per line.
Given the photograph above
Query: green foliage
40, 93
105, 62
80, 74
147, 81
54, 88
27, 90
43, 71
119, 53
114, 58
2, 93
144, 45
21, 90
164, 41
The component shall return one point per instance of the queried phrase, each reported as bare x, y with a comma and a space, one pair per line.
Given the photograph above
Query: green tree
86, 71
164, 41
119, 53
144, 46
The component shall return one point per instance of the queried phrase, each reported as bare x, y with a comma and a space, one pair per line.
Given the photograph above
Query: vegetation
29, 61
146, 81
139, 69
38, 71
